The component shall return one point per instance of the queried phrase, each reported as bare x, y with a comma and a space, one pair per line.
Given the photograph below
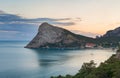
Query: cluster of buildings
92, 45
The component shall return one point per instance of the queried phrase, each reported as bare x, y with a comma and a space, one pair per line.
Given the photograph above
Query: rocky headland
50, 36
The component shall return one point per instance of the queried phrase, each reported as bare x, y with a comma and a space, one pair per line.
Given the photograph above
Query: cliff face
49, 36
113, 33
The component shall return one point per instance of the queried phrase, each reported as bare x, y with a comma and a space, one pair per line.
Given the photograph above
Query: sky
21, 18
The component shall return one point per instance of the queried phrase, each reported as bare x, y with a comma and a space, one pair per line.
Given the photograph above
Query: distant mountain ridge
110, 39
113, 33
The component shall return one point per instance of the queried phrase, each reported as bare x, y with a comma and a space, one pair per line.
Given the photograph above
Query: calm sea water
19, 62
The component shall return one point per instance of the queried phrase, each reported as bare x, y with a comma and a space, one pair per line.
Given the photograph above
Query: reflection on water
19, 62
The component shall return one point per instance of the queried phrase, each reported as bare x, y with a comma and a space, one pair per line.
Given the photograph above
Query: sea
19, 62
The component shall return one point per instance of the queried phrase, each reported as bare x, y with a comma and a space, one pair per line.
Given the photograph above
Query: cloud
65, 23
15, 19
78, 19
15, 27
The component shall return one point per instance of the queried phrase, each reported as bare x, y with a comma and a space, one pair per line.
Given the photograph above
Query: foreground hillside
108, 69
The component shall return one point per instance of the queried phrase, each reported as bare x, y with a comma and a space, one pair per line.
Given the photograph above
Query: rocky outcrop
49, 36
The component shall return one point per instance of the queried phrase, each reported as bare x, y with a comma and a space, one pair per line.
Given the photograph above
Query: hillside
113, 33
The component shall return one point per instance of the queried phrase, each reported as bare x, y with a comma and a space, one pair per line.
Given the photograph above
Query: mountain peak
45, 24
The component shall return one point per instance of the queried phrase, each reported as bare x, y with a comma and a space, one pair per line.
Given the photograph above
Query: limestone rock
49, 36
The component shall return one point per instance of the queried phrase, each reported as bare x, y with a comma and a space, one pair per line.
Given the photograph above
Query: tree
85, 69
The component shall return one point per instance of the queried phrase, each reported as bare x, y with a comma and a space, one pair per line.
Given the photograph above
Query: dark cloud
52, 19
15, 19
65, 24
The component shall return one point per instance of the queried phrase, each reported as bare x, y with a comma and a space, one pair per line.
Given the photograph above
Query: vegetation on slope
108, 41
108, 69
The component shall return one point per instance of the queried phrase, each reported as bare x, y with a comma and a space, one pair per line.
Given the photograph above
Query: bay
19, 62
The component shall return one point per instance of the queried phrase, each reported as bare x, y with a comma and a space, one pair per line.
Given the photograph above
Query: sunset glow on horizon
86, 17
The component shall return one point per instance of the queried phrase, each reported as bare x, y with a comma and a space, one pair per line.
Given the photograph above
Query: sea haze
19, 62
